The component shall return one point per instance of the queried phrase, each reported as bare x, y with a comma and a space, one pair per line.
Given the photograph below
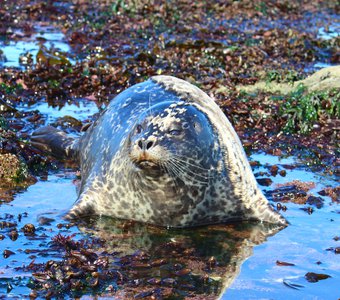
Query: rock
264, 181
315, 201
9, 167
13, 171
324, 79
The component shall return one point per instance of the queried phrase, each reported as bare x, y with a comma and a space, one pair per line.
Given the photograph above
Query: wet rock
29, 229
7, 253
279, 207
288, 193
13, 235
334, 193
315, 277
9, 167
264, 181
7, 224
47, 221
9, 287
274, 170
315, 201
67, 122
33, 295
283, 263
154, 281
309, 209
324, 79
13, 171
212, 262
336, 250
283, 173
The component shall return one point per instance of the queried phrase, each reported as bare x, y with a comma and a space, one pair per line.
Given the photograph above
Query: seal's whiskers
186, 161
172, 174
184, 172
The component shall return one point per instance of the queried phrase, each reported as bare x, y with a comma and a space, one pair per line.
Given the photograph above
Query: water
333, 31
247, 270
303, 243
41, 198
80, 110
12, 50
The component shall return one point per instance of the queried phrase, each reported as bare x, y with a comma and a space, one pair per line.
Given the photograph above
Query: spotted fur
164, 153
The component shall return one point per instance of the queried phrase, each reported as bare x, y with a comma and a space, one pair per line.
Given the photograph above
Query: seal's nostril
140, 144
149, 145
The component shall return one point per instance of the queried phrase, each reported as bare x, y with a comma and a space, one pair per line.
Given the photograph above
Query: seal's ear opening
53, 141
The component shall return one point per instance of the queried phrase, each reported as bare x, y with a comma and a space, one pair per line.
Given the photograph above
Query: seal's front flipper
54, 141
84, 206
264, 212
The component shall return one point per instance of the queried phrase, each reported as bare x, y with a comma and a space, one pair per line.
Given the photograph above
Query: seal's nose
145, 144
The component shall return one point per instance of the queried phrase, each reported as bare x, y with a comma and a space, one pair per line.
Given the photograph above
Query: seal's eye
185, 125
139, 128
175, 132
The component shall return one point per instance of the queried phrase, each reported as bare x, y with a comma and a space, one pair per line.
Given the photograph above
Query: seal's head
172, 139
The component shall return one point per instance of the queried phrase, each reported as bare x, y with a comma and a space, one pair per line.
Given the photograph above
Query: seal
162, 153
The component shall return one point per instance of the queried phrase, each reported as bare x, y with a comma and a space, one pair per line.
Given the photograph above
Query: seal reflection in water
190, 264
162, 153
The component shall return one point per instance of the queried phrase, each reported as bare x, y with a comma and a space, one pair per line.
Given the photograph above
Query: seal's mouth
149, 168
145, 162
147, 165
